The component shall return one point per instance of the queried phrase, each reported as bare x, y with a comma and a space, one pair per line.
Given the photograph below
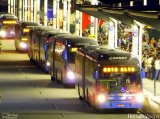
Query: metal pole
13, 7
92, 25
81, 22
38, 11
35, 11
28, 10
45, 12
9, 6
58, 14
77, 22
115, 33
31, 10
69, 14
54, 13
111, 34
96, 29
20, 10
64, 15
25, 10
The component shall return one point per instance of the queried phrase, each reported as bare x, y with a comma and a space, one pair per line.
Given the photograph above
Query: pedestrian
157, 67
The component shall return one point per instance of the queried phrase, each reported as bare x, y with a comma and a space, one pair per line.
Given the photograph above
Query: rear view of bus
7, 23
112, 79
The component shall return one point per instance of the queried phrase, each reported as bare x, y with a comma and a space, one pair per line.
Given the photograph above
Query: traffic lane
66, 100
69, 116
28, 92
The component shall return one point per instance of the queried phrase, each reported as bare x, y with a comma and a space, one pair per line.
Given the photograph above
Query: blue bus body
62, 58
108, 78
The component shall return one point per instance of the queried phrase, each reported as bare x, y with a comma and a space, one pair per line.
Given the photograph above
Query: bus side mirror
64, 55
95, 74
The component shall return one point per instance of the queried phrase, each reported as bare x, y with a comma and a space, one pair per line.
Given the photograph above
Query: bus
108, 78
22, 29
48, 38
62, 57
7, 23
37, 44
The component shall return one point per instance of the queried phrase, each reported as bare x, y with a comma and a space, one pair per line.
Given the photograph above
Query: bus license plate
120, 105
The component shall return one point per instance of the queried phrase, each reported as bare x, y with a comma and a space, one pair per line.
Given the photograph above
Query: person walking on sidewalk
157, 67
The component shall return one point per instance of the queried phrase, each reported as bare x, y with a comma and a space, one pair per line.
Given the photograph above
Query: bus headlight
2, 33
23, 45
70, 75
139, 97
48, 63
101, 98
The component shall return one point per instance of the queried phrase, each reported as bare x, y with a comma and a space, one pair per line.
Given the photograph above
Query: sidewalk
148, 89
151, 102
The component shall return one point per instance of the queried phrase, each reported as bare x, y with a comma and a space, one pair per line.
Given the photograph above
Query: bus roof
73, 40
104, 53
7, 16
54, 33
28, 23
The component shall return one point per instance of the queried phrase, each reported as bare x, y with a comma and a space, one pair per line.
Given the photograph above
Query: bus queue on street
104, 77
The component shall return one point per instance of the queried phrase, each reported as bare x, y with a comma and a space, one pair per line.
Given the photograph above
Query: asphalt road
27, 93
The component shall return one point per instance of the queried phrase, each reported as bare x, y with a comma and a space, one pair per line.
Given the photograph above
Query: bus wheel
87, 97
80, 97
133, 110
57, 77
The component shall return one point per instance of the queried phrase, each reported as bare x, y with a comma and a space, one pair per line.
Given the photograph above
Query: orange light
25, 30
122, 69
109, 69
118, 69
104, 69
132, 69
9, 22
125, 69
129, 69
24, 39
74, 49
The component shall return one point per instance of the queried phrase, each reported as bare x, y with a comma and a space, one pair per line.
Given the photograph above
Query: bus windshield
120, 82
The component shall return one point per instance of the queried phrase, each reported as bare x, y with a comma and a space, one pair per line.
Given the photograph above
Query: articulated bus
7, 23
62, 57
22, 29
108, 78
37, 43
48, 37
